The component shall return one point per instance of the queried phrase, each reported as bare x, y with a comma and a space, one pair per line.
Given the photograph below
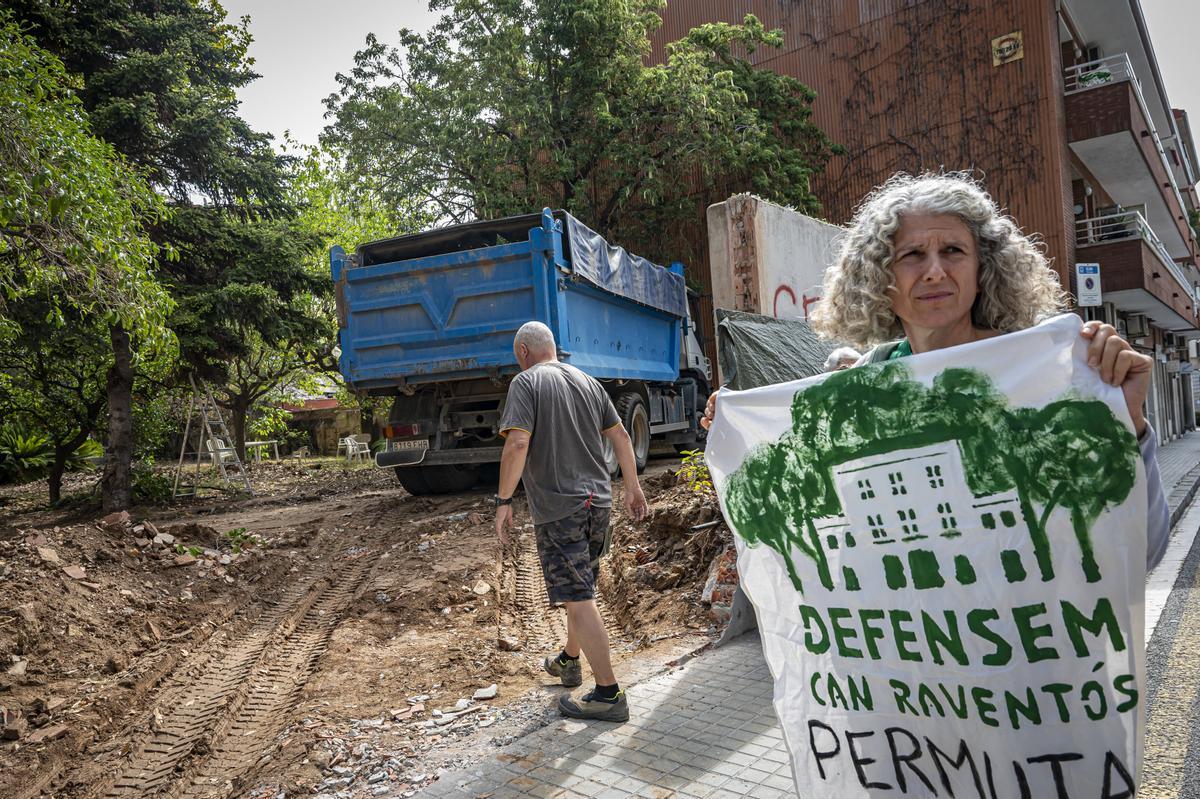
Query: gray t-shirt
564, 411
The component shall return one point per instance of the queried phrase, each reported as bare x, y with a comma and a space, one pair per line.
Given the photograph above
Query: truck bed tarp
614, 269
756, 350
593, 259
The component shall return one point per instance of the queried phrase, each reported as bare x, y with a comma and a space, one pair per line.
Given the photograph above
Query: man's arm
512, 461
512, 464
635, 500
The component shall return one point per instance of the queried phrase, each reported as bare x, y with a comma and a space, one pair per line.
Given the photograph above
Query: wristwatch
502, 501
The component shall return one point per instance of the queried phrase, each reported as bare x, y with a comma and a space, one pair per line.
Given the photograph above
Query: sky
299, 45
1174, 27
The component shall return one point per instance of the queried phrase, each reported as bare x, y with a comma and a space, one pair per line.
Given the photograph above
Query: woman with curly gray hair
930, 262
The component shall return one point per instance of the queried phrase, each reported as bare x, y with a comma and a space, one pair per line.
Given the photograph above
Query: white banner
946, 554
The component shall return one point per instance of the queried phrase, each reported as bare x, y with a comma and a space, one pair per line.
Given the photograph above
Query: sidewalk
705, 730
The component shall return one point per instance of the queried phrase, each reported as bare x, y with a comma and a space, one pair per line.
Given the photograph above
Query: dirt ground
327, 636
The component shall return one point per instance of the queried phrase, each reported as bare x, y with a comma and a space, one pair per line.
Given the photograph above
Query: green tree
506, 106
72, 212
263, 372
1071, 454
782, 513
52, 379
74, 255
159, 81
1081, 462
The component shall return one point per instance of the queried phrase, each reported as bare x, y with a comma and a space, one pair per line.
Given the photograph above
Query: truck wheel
450, 479
423, 480
631, 408
413, 480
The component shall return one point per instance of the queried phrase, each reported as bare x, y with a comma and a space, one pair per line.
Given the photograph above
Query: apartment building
1058, 105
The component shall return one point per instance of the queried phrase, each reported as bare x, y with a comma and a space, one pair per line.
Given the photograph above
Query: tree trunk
822, 561
1037, 533
61, 453
116, 484
237, 422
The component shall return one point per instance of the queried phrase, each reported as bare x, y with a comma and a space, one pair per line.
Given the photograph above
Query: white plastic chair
221, 450
359, 447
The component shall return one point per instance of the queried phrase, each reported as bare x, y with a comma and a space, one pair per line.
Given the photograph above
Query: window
947, 513
896, 479
934, 473
1008, 518
864, 490
908, 521
989, 521
877, 529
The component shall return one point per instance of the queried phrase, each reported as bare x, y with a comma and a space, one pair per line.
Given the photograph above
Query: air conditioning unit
1137, 325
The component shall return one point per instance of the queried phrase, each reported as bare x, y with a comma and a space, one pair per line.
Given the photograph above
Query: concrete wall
767, 259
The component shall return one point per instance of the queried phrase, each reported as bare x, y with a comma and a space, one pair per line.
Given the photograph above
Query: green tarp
756, 350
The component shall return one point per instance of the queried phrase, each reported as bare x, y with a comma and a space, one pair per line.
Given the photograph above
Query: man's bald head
534, 344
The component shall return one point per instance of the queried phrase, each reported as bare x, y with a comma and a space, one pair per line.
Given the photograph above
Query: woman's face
936, 271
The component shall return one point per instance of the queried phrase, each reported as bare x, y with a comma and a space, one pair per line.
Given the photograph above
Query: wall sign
1087, 284
1009, 47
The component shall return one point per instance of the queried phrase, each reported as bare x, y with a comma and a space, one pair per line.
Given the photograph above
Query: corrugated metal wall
909, 85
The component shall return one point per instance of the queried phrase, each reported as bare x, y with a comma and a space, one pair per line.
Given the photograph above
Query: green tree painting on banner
1050, 457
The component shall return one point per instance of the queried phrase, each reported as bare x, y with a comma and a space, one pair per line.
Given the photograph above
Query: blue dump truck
430, 318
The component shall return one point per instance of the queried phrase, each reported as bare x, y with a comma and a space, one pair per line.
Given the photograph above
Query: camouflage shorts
570, 550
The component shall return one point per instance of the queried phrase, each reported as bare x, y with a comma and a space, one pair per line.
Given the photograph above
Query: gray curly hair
1017, 287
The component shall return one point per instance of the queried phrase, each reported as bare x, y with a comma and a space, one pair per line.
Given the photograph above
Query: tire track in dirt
539, 621
220, 714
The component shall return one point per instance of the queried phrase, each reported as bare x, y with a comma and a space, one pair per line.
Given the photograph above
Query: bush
149, 486
23, 455
81, 459
694, 472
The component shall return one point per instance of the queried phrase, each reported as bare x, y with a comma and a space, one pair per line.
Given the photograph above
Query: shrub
23, 455
149, 486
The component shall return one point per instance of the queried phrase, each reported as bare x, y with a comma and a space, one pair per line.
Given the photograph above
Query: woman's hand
710, 411
1120, 365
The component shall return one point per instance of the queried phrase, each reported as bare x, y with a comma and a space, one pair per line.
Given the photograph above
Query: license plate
420, 443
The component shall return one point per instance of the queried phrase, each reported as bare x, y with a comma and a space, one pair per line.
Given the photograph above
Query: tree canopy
1073, 454
160, 81
73, 213
506, 106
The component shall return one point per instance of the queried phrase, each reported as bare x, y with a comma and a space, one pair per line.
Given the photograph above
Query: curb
1182, 494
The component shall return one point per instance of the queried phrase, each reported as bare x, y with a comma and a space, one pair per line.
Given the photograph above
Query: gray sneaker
590, 707
570, 672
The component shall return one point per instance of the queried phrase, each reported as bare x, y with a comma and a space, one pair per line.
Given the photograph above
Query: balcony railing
1125, 225
1116, 69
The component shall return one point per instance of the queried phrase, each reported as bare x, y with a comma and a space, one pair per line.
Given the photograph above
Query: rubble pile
657, 570
395, 754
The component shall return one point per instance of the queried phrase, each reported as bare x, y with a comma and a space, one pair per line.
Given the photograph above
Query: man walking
554, 423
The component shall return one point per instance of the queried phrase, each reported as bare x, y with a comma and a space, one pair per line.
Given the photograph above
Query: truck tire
631, 409
424, 480
413, 480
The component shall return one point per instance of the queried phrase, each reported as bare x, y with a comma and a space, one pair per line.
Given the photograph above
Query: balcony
1109, 128
1137, 272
